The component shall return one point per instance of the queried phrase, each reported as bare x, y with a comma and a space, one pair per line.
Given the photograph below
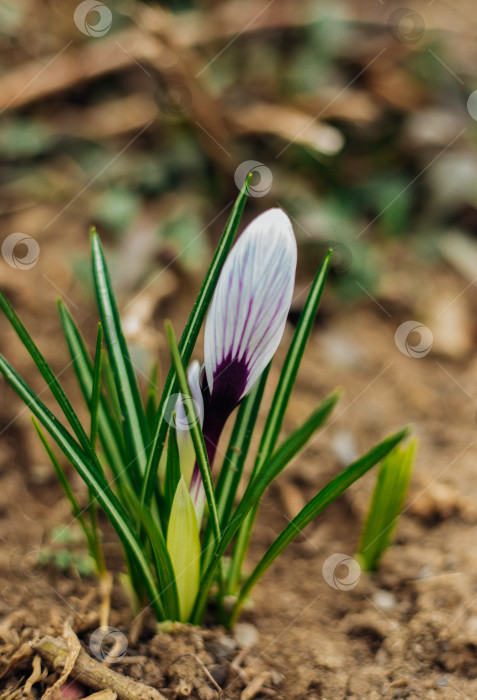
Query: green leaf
387, 502
135, 426
65, 484
112, 399
317, 504
109, 433
88, 472
257, 486
291, 365
163, 563
53, 383
279, 405
173, 468
152, 399
237, 450
288, 449
96, 389
195, 430
183, 545
189, 338
234, 461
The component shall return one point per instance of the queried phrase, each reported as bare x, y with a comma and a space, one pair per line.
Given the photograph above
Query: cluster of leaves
171, 566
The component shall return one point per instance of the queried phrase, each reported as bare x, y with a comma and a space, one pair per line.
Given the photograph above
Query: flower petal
249, 309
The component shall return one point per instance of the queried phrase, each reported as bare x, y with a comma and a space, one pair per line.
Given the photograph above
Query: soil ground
408, 631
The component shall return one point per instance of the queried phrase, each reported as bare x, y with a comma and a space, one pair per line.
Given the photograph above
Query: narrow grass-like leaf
163, 564
135, 426
111, 393
387, 502
152, 399
65, 484
189, 338
317, 504
291, 365
50, 378
173, 468
94, 408
234, 461
96, 388
237, 450
257, 486
109, 433
195, 430
89, 473
183, 545
278, 407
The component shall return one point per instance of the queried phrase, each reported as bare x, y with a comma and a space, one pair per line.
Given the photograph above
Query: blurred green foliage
394, 94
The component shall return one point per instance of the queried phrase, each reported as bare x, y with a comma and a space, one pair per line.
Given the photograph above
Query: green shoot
387, 502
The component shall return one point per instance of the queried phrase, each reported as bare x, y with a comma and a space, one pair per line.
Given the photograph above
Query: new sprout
392, 482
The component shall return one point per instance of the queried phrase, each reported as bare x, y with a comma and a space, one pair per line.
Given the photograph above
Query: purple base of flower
230, 379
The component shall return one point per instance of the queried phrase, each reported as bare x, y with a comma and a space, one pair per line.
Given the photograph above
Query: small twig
93, 674
255, 686
72, 650
235, 666
124, 660
206, 671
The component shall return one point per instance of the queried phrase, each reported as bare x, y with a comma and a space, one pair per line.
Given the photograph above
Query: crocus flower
245, 323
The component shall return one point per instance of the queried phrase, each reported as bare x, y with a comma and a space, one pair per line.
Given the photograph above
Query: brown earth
408, 631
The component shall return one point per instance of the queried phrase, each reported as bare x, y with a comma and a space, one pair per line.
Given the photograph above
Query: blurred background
358, 118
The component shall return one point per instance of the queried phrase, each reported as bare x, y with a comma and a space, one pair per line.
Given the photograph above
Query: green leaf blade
195, 431
234, 461
110, 436
65, 484
279, 405
160, 554
173, 468
50, 378
322, 500
135, 424
96, 388
291, 365
387, 501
